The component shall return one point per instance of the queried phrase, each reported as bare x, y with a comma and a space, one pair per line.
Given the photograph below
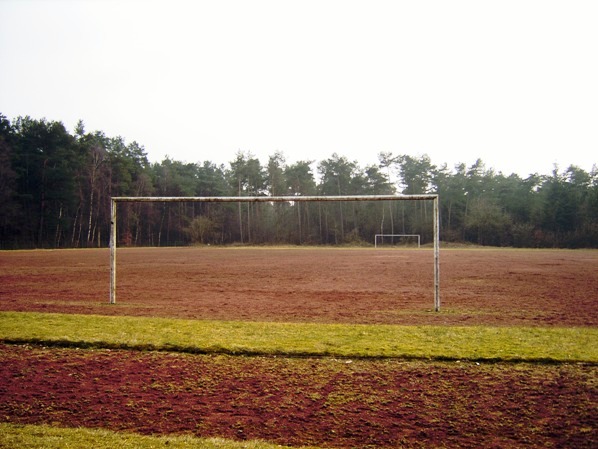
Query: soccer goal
276, 199
380, 238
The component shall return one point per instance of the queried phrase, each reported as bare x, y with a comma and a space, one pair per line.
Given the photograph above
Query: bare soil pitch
478, 287
326, 402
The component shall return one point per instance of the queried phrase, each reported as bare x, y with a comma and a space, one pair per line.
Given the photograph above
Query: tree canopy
55, 189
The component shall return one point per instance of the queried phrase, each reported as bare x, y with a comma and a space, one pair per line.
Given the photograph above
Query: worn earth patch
477, 287
324, 402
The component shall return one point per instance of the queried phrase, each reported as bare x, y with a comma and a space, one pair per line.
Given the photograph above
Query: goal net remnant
275, 199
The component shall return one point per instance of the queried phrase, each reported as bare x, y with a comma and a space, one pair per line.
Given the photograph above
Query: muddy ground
325, 402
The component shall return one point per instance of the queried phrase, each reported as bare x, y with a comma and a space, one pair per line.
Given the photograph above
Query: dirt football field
323, 402
493, 287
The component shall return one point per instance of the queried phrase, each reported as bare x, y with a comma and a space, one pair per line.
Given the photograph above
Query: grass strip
476, 343
16, 436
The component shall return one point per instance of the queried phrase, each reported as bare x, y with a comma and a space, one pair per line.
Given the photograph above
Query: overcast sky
514, 83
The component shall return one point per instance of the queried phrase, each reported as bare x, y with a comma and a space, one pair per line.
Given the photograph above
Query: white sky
512, 82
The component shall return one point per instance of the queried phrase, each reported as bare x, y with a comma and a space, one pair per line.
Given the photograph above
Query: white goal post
381, 236
275, 199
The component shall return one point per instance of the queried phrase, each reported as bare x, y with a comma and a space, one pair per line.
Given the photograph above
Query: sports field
369, 396
478, 287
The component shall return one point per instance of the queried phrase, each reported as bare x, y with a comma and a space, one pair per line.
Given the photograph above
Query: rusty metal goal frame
274, 199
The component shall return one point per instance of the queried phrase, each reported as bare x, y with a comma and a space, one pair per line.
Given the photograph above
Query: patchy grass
16, 436
476, 343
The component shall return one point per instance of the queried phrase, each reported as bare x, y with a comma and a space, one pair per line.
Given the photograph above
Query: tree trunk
91, 195
42, 208
58, 232
74, 233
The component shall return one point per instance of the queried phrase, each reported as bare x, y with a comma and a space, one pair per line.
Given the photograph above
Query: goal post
274, 199
381, 238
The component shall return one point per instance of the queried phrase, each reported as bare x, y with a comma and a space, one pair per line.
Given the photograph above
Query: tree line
55, 190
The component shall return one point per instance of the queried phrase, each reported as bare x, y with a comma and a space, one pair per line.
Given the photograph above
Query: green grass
16, 436
477, 343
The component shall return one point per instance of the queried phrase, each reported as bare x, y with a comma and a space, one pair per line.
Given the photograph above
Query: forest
56, 185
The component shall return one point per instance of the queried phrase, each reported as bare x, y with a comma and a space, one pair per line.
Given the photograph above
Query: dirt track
331, 403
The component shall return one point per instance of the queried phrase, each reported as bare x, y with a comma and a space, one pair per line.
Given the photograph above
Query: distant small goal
379, 238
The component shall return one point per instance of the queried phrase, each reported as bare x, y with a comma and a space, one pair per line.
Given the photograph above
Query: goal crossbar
270, 199
273, 199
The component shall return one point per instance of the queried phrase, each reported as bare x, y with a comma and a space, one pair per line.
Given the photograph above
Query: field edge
473, 343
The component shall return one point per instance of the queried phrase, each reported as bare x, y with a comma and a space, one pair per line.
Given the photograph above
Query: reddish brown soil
496, 287
331, 403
